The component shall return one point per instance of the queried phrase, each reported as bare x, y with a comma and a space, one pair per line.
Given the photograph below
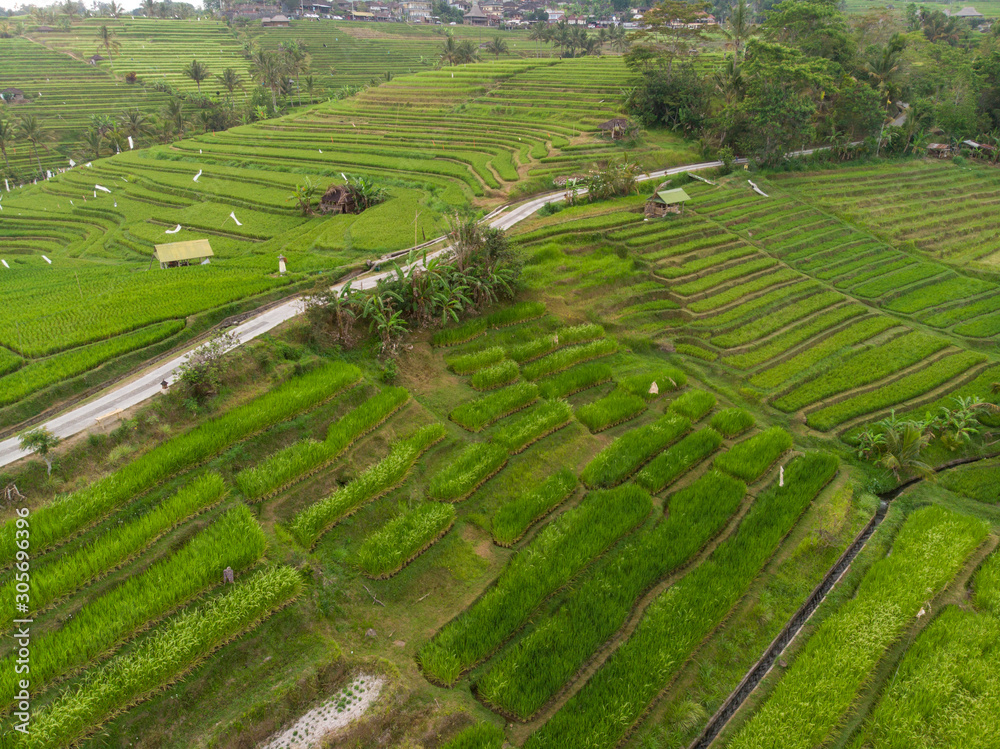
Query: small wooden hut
618, 128
663, 202
13, 96
178, 254
338, 199
941, 150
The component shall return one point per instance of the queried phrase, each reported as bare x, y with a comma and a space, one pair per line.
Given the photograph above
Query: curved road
147, 384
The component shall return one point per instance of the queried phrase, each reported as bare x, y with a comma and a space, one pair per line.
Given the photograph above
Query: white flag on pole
233, 217
89, 164
46, 260
72, 163
197, 175
6, 184
174, 230
5, 264
130, 143
102, 189
48, 172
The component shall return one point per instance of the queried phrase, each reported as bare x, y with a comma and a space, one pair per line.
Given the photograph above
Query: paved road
147, 384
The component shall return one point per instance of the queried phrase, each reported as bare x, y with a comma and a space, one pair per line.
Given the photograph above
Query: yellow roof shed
179, 252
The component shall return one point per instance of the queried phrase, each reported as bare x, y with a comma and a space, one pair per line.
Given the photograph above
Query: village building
664, 202
13, 96
278, 21
476, 16
177, 254
417, 10
619, 128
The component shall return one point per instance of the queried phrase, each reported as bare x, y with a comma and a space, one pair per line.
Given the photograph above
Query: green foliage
479, 736
613, 409
678, 620
469, 363
312, 522
696, 351
483, 411
567, 357
512, 519
750, 458
693, 404
732, 422
839, 657
625, 455
59, 520
555, 555
495, 376
529, 427
673, 462
461, 476
397, 543
574, 380
579, 334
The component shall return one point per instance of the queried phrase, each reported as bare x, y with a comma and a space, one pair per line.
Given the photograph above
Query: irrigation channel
788, 633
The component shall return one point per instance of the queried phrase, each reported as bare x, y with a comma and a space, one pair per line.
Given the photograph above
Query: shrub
574, 380
312, 522
469, 363
732, 422
625, 455
533, 425
567, 357
666, 378
750, 458
513, 519
481, 412
553, 558
393, 546
693, 404
676, 460
610, 410
471, 468
496, 376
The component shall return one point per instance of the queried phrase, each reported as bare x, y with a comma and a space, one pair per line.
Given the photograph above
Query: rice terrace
479, 374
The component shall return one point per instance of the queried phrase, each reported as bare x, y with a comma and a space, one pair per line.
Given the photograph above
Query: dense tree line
801, 72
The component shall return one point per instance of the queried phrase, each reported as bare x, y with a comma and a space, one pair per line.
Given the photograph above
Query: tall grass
234, 540
566, 357
483, 411
603, 711
675, 461
295, 462
749, 459
159, 660
67, 573
574, 380
72, 512
551, 560
397, 543
312, 522
832, 667
479, 736
613, 409
732, 422
495, 376
628, 453
512, 520
469, 363
693, 404
530, 426
527, 675
460, 477
666, 379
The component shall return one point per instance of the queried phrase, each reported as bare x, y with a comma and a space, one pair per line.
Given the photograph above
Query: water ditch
761, 668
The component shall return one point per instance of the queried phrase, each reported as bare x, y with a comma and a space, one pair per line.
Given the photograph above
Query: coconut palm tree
92, 144
497, 46
230, 80
267, 71
8, 134
739, 28
114, 9
904, 443
197, 72
106, 41
32, 131
149, 8
173, 113
135, 123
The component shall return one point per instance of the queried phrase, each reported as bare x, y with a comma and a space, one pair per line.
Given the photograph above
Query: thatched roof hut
13, 95
338, 199
618, 128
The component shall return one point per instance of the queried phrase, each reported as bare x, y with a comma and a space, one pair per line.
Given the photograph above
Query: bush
481, 412
675, 461
693, 404
732, 422
551, 560
574, 380
533, 425
512, 520
463, 475
393, 546
469, 363
749, 459
496, 376
610, 410
666, 378
626, 455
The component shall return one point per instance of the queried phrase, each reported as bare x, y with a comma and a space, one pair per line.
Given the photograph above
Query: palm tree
135, 123
449, 51
230, 80
149, 7
92, 143
197, 72
497, 46
70, 8
114, 9
267, 70
903, 445
739, 27
31, 130
8, 134
106, 40
173, 113
620, 42
883, 64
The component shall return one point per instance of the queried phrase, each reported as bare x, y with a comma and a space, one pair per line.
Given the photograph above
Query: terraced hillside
437, 140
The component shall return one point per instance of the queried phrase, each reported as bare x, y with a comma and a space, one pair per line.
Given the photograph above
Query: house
317, 9
416, 10
275, 22
476, 16
663, 202
941, 150
177, 254
618, 128
13, 96
94, 59
337, 199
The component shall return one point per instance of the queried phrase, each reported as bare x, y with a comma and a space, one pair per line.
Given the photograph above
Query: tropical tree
619, 40
149, 8
8, 134
197, 72
230, 80
303, 194
882, 65
92, 144
135, 123
738, 28
497, 46
904, 445
32, 131
114, 9
174, 114
106, 40
42, 442
267, 70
